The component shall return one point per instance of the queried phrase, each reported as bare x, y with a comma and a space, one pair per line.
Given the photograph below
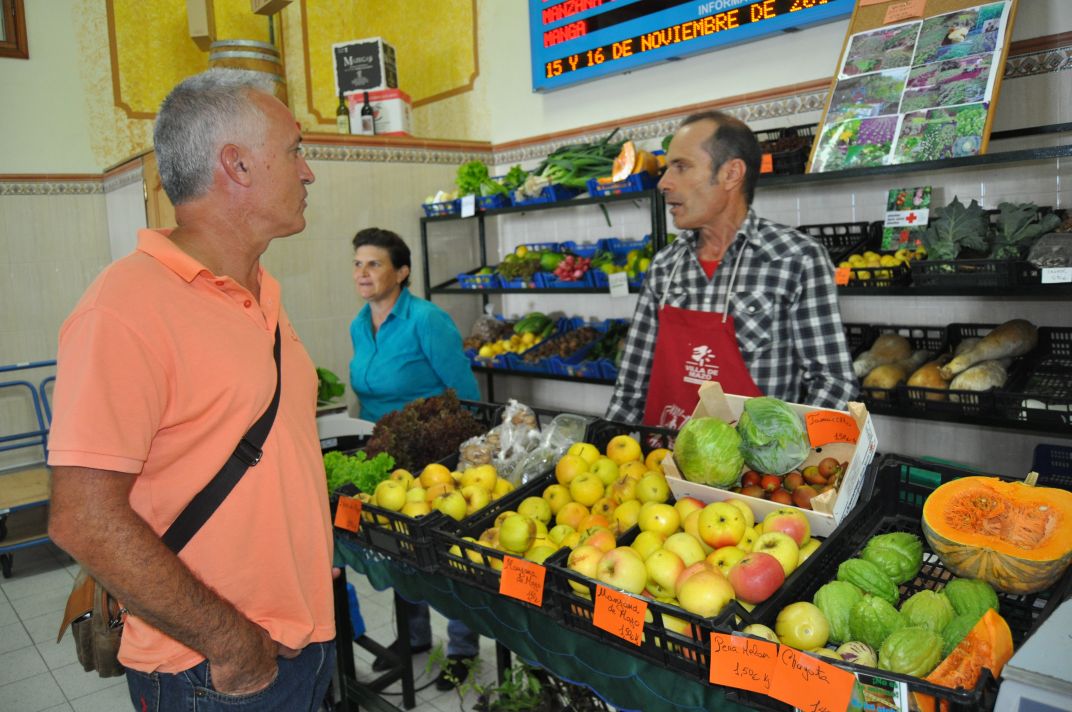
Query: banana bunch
536, 323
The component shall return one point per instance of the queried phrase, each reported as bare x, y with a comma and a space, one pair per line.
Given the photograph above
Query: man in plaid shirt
772, 283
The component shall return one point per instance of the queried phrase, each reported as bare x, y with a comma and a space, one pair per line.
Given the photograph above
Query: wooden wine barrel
251, 55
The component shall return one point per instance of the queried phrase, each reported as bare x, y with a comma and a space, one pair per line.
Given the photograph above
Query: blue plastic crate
633, 184
449, 207
543, 246
470, 280
491, 202
582, 249
607, 369
638, 281
517, 363
550, 194
547, 280
516, 283
621, 248
601, 280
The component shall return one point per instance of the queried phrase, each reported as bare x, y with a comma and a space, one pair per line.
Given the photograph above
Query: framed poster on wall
921, 89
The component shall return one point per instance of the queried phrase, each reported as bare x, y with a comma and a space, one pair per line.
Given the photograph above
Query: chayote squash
971, 596
957, 629
927, 609
868, 578
911, 651
836, 599
898, 554
872, 620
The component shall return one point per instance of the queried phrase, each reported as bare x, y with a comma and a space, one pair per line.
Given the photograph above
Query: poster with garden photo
915, 91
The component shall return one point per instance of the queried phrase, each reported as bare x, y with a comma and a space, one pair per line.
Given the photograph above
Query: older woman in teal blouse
406, 348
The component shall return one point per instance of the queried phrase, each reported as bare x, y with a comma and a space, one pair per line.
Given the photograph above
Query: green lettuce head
707, 451
773, 439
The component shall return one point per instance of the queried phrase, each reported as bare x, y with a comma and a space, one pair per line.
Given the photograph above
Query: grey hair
199, 115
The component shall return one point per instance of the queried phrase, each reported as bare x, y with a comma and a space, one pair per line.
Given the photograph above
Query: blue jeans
300, 685
460, 640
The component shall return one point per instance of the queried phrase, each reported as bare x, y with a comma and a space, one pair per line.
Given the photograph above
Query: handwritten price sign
348, 514
523, 580
830, 426
809, 684
842, 275
619, 614
743, 663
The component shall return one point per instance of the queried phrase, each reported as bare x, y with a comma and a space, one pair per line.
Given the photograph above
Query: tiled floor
37, 674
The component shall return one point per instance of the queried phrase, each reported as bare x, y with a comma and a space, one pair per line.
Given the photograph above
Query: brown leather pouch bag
96, 621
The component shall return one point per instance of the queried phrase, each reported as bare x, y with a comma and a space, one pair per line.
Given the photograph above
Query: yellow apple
559, 532
476, 498
654, 460
625, 515
535, 507
586, 488
748, 540
691, 524
723, 559
807, 550
568, 467
435, 474
720, 525
453, 505
557, 497
583, 560
539, 553
687, 505
647, 542
391, 494
403, 476
663, 567
653, 488
659, 517
416, 508
606, 469
587, 451
780, 546
705, 593
791, 521
599, 537
635, 470
572, 513
624, 488
501, 488
605, 506
685, 546
416, 494
502, 517
622, 568
746, 511
517, 533
483, 476
623, 449
440, 489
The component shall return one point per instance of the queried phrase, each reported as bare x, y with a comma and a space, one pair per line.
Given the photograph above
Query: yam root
981, 377
888, 348
1011, 339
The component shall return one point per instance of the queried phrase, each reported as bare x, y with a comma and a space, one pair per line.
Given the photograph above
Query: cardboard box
364, 65
390, 109
828, 509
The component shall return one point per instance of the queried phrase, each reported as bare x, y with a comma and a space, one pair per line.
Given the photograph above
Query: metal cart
24, 486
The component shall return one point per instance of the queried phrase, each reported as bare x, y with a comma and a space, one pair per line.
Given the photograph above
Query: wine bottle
368, 118
342, 116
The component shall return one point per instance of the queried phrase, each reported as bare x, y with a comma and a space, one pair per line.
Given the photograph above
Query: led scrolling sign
574, 41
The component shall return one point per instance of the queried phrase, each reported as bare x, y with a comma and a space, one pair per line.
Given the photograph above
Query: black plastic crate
600, 432
974, 273
479, 565
1042, 391
902, 487
411, 539
1054, 464
859, 337
686, 652
931, 338
956, 402
840, 239
788, 148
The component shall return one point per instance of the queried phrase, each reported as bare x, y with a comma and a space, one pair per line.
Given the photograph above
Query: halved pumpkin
624, 162
1015, 536
988, 645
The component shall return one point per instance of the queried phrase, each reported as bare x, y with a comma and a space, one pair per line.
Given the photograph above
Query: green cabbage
773, 439
707, 451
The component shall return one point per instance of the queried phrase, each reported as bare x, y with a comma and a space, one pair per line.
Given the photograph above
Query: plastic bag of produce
564, 430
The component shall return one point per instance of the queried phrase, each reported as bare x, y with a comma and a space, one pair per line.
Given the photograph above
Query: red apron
692, 347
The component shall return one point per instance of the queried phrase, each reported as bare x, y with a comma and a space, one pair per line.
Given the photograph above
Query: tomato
802, 626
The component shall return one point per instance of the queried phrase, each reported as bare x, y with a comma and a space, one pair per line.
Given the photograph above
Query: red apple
750, 477
781, 496
754, 491
770, 482
802, 496
793, 480
788, 521
756, 577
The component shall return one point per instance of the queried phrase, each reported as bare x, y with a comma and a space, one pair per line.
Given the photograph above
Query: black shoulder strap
246, 454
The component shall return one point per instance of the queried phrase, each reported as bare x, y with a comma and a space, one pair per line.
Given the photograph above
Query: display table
623, 681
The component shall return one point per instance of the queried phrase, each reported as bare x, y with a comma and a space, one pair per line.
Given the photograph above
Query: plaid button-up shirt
784, 305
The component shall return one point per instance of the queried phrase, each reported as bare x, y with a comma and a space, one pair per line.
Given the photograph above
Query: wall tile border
1037, 57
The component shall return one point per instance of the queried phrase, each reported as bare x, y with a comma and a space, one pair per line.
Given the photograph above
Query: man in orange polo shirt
164, 365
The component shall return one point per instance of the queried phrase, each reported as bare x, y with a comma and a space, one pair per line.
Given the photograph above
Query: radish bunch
572, 268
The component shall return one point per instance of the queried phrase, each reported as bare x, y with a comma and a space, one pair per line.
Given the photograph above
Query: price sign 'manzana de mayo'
577, 40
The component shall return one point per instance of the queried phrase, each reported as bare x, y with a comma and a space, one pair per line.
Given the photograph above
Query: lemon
863, 275
845, 265
521, 251
486, 351
871, 254
528, 338
872, 262
889, 261
856, 260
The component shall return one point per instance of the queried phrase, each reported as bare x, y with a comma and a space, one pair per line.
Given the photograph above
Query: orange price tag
348, 513
809, 684
830, 426
766, 163
842, 275
523, 580
619, 614
904, 10
743, 663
